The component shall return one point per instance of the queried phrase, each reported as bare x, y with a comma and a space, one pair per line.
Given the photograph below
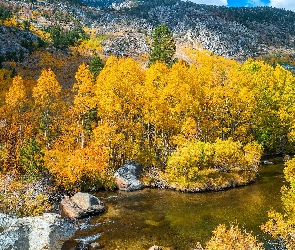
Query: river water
139, 220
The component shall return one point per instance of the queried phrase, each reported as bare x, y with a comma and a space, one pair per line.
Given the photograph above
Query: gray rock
155, 248
126, 176
266, 162
48, 231
81, 205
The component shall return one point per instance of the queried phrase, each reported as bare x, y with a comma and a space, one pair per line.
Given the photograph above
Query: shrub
23, 198
232, 239
282, 226
31, 157
62, 38
81, 169
223, 156
5, 13
189, 159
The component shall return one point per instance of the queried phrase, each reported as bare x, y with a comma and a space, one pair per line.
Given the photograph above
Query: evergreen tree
5, 14
31, 157
96, 65
163, 46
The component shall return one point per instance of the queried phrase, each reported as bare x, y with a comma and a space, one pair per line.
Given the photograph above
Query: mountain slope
237, 33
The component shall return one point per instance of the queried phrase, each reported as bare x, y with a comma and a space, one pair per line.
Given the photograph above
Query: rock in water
81, 205
48, 231
126, 176
155, 248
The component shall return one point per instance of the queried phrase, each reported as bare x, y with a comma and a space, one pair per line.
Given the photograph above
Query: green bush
31, 157
62, 38
5, 13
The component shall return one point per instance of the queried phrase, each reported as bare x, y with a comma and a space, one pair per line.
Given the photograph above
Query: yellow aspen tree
274, 112
84, 98
119, 99
16, 98
155, 112
46, 95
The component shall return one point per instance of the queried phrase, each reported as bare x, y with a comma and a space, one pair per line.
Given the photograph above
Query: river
138, 220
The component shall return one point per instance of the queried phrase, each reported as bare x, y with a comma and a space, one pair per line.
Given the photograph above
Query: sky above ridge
286, 4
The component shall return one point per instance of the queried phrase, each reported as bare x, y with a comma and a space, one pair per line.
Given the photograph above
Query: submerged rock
266, 162
48, 231
81, 205
155, 248
126, 176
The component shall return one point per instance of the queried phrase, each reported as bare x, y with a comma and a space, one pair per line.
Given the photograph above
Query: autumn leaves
131, 113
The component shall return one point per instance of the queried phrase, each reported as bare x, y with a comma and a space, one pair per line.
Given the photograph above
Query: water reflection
149, 217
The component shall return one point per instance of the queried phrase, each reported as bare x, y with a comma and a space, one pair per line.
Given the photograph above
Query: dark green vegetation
32, 159
63, 38
163, 46
96, 65
5, 13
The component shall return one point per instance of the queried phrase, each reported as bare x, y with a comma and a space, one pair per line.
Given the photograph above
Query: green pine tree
96, 65
31, 157
163, 46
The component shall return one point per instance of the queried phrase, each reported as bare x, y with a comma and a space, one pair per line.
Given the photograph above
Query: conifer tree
163, 45
96, 65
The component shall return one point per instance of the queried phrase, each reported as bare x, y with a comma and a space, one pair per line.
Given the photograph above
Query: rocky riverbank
214, 181
51, 231
132, 176
48, 231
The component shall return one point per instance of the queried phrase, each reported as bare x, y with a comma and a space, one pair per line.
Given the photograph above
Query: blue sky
287, 4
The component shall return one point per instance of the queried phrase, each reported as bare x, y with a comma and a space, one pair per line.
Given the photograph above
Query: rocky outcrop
14, 43
81, 205
48, 231
125, 26
126, 176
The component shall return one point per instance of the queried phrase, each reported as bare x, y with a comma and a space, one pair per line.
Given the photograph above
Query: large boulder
48, 231
126, 176
81, 205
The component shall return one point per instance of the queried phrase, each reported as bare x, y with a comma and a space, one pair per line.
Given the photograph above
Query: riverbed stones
48, 231
81, 205
127, 176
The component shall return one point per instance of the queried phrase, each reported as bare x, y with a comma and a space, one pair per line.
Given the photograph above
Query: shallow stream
139, 220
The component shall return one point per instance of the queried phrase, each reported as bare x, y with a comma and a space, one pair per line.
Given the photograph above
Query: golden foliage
232, 239
282, 226
81, 168
157, 114
19, 198
16, 95
188, 161
47, 90
6, 80
84, 98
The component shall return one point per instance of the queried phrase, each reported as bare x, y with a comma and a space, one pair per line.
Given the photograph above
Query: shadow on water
149, 217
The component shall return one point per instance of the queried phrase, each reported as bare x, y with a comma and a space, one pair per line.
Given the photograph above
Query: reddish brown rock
81, 205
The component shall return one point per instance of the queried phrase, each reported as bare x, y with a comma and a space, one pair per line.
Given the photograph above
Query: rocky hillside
237, 33
15, 43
